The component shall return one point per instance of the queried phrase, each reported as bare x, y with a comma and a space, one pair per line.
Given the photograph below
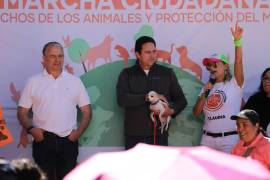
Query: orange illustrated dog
123, 53
165, 55
16, 94
187, 63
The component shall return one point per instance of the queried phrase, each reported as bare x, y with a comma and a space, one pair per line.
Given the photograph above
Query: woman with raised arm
221, 97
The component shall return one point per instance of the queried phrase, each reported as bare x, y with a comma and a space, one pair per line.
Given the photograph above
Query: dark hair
261, 90
249, 114
141, 41
228, 75
27, 169
50, 44
7, 171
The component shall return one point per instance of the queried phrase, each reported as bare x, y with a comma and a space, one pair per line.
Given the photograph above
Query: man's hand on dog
163, 98
168, 111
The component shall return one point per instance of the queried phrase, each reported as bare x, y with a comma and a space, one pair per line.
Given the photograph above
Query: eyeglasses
266, 79
212, 64
54, 57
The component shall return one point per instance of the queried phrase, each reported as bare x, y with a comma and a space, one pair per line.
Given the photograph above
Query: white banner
99, 37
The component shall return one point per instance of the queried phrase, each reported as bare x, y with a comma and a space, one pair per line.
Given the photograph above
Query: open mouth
212, 72
242, 136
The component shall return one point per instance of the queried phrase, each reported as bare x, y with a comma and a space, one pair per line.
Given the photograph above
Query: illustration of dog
123, 53
103, 50
16, 94
187, 63
158, 105
165, 55
66, 41
69, 69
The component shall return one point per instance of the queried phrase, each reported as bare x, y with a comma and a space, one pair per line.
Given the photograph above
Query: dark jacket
132, 87
260, 103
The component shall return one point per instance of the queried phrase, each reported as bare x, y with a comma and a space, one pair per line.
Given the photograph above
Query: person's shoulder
264, 144
233, 83
238, 144
35, 77
257, 96
163, 68
260, 95
135, 66
130, 69
157, 65
237, 147
71, 76
66, 74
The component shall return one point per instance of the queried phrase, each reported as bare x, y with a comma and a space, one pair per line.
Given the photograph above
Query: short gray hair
50, 44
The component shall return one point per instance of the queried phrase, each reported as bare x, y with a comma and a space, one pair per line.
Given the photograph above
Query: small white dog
158, 105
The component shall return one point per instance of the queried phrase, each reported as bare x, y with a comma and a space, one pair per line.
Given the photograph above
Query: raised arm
237, 32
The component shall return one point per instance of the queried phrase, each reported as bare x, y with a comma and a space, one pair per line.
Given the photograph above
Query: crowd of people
20, 169
53, 96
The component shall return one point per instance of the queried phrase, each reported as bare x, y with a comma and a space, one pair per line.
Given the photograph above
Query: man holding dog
53, 96
134, 83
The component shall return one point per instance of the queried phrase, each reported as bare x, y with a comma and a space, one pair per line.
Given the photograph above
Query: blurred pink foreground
168, 163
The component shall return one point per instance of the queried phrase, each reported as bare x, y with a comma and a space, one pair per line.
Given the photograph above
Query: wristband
29, 129
238, 42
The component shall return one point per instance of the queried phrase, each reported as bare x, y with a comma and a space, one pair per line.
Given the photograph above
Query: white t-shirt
54, 101
146, 72
268, 130
224, 100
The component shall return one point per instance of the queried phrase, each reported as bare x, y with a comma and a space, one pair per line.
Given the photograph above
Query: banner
99, 36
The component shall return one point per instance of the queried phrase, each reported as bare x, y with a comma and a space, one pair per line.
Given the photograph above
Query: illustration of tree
145, 30
77, 51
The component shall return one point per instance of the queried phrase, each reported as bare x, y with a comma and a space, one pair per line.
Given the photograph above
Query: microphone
212, 80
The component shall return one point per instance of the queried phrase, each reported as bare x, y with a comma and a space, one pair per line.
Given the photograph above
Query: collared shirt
54, 101
260, 151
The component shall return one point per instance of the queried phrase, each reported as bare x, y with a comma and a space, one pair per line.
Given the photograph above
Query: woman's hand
237, 32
